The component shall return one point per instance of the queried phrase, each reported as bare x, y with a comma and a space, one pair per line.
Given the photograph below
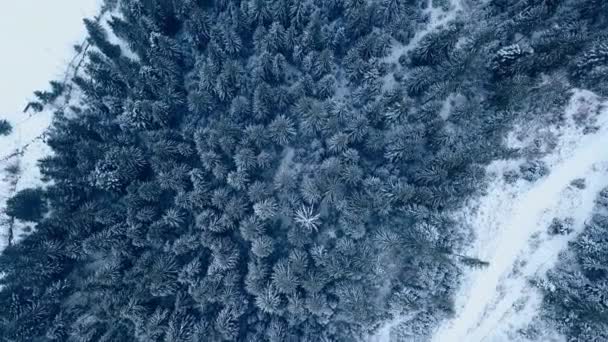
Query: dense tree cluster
576, 292
260, 172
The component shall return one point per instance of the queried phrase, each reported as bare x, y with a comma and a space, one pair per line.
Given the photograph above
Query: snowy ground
496, 303
37, 39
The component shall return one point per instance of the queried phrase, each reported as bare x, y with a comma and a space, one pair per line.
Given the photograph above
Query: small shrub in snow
474, 262
533, 170
511, 176
13, 169
5, 127
602, 198
540, 146
590, 129
403, 60
530, 332
561, 227
579, 183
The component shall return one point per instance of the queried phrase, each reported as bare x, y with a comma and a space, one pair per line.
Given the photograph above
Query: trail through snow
438, 18
496, 303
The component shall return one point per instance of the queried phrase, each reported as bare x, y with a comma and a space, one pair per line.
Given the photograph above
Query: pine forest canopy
261, 171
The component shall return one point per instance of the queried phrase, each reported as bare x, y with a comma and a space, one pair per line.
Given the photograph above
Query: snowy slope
37, 39
511, 223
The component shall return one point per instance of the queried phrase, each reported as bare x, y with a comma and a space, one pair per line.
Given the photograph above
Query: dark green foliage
259, 172
27, 205
5, 127
98, 37
47, 97
35, 106
574, 299
533, 170
560, 227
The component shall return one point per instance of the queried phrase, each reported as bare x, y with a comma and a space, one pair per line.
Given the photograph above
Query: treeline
256, 174
575, 294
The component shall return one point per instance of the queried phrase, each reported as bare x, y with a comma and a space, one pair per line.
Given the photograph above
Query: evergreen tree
271, 170
5, 127
99, 39
27, 205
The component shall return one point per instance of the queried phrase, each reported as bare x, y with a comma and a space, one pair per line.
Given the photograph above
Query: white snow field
510, 223
37, 40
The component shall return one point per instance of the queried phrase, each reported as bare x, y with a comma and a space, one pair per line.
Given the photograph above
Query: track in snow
438, 18
510, 224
